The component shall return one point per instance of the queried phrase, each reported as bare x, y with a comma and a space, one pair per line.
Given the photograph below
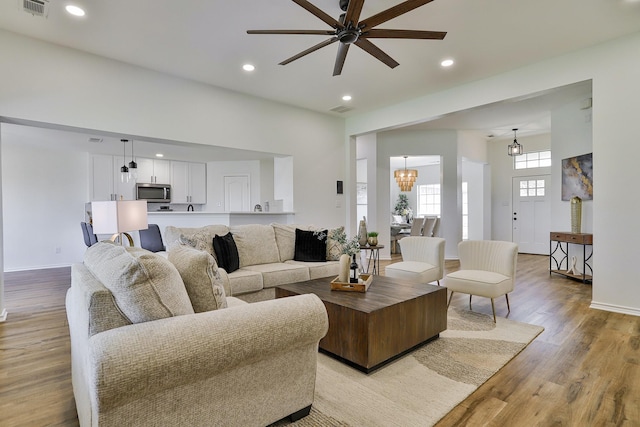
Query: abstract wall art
577, 177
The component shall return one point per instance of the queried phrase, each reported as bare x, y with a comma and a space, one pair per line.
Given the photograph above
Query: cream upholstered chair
416, 227
422, 260
487, 269
431, 226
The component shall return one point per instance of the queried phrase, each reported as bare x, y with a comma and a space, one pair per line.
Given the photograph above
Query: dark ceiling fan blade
391, 13
319, 13
311, 49
375, 51
379, 33
340, 58
312, 32
353, 12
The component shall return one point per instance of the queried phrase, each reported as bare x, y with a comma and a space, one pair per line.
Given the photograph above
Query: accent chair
487, 269
422, 260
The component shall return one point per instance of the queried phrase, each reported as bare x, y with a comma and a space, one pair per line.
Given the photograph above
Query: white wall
266, 181
502, 173
613, 68
571, 135
3, 310
283, 183
216, 171
421, 143
44, 193
473, 174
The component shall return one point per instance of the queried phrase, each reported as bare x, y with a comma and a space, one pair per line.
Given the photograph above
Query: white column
3, 310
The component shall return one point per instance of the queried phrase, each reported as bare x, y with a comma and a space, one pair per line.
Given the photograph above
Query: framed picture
361, 193
577, 177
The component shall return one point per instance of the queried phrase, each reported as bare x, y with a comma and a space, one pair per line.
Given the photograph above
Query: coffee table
370, 329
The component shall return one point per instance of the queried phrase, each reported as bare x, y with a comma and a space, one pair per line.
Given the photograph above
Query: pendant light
515, 149
133, 166
405, 177
124, 170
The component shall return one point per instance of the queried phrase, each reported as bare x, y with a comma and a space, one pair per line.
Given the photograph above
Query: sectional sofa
266, 256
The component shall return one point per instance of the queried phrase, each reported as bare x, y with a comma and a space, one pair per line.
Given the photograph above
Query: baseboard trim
615, 308
3, 315
36, 267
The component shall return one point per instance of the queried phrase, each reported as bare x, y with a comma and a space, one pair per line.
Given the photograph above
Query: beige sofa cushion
199, 273
286, 239
198, 237
145, 286
244, 281
256, 244
319, 269
280, 273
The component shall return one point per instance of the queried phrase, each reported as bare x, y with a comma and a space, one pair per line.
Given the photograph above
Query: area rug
423, 386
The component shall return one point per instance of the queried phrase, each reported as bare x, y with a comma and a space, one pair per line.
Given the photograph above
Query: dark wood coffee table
370, 329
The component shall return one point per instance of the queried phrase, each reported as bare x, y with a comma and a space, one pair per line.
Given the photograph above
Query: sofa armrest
139, 360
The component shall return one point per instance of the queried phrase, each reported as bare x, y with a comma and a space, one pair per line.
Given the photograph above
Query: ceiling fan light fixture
515, 149
349, 29
346, 98
348, 36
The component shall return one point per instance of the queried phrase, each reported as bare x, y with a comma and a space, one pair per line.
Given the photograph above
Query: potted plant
372, 238
402, 208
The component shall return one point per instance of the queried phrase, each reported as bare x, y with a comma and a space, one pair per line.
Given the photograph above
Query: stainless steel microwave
154, 193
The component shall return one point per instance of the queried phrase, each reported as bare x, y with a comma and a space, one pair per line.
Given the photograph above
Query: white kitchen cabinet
106, 183
154, 171
197, 183
188, 182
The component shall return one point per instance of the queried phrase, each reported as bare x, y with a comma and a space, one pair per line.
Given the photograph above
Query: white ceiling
206, 41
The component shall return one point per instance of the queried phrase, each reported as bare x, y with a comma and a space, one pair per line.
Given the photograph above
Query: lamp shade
119, 216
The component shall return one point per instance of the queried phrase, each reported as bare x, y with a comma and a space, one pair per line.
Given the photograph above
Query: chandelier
405, 177
515, 149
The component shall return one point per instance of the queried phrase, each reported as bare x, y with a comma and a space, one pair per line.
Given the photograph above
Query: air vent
95, 140
341, 109
36, 7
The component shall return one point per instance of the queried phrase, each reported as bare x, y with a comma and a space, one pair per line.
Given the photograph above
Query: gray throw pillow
145, 286
199, 271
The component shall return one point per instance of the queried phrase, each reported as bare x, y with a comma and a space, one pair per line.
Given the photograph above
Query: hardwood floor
583, 370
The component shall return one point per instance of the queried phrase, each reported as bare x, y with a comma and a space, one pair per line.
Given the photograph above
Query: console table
560, 254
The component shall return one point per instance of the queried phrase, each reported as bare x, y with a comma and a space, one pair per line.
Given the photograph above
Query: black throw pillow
310, 246
226, 252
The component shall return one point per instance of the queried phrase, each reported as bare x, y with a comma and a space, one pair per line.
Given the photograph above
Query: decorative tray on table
362, 285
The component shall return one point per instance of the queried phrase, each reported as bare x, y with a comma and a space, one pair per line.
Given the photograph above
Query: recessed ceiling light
74, 10
248, 67
346, 98
447, 63
159, 155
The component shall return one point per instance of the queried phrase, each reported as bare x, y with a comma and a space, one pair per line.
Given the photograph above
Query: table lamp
119, 217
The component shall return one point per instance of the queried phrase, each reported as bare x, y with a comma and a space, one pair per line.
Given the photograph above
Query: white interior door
531, 214
236, 193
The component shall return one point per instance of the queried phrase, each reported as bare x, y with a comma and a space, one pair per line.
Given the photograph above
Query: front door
531, 214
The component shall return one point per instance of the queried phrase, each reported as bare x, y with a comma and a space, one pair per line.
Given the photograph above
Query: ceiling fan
348, 30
